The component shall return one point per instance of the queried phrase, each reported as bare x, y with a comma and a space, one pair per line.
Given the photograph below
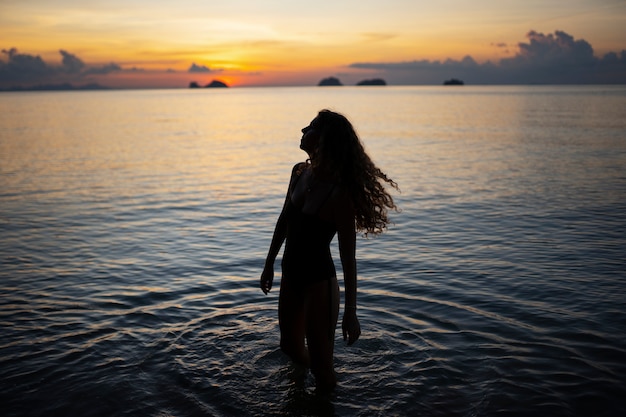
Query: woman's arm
346, 235
280, 232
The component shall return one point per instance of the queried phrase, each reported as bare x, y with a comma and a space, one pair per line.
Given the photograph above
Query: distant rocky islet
212, 84
325, 82
334, 81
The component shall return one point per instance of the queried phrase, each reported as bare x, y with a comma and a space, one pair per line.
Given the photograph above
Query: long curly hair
341, 153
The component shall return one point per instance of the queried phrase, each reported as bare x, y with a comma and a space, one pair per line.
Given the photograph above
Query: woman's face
310, 137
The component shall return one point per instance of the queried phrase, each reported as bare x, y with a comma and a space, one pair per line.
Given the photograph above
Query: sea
134, 226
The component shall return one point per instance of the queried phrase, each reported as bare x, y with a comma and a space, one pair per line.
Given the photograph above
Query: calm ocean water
134, 226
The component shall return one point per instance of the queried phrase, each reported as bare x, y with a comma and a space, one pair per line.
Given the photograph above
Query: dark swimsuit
307, 257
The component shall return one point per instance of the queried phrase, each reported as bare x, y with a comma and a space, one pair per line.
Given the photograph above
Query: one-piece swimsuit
307, 258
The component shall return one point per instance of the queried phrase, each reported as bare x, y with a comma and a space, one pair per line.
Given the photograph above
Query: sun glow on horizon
272, 43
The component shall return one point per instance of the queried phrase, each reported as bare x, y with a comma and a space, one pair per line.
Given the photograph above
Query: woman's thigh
322, 310
291, 313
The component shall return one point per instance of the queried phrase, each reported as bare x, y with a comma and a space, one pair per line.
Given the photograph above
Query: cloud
71, 63
105, 69
544, 59
558, 49
199, 69
378, 36
25, 69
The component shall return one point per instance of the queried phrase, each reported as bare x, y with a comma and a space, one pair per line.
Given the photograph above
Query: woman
338, 190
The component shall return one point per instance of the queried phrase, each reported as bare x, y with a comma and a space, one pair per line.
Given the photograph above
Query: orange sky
249, 42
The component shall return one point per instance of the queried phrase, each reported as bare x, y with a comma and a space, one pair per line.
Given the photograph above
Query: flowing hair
341, 153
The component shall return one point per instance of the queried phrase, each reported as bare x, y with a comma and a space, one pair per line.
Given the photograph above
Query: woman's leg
291, 320
322, 311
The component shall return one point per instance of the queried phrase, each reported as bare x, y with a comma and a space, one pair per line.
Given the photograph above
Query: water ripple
131, 248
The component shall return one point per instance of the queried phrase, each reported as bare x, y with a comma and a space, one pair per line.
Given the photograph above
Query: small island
212, 84
373, 81
453, 81
330, 81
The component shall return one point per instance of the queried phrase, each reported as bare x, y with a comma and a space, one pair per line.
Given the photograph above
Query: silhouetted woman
338, 190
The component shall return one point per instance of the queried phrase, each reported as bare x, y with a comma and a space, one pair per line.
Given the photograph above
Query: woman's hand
350, 326
267, 278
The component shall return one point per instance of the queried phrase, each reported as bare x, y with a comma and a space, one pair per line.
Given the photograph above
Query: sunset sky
141, 43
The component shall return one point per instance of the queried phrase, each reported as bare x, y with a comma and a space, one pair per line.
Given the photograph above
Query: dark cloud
20, 67
105, 69
194, 68
25, 69
545, 59
71, 63
550, 50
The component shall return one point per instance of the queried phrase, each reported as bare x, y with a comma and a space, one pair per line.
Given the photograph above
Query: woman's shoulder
299, 168
296, 171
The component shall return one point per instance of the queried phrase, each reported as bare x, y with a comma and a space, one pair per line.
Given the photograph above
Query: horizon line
71, 87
